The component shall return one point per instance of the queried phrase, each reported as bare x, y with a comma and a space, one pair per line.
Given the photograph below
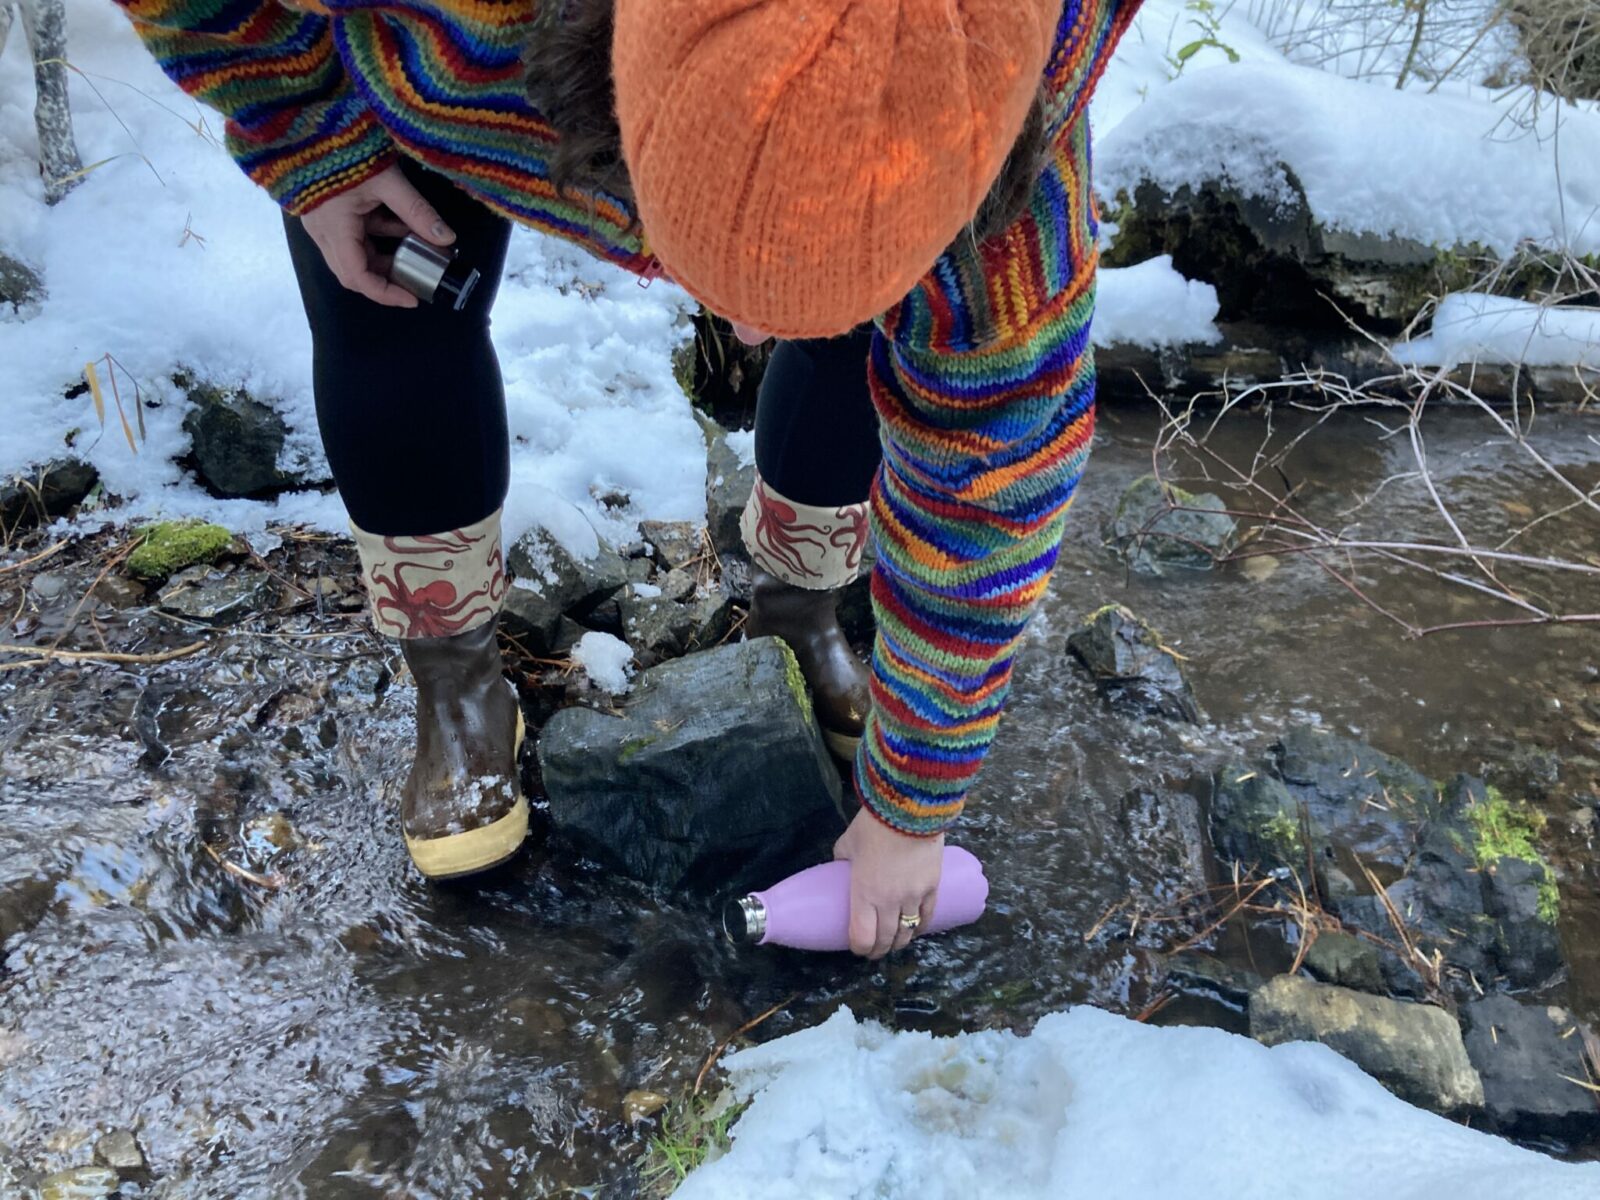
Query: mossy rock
173, 545
1158, 525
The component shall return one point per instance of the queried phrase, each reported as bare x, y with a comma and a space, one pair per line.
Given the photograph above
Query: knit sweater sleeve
984, 382
294, 121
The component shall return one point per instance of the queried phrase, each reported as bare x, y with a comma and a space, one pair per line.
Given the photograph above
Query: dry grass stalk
722, 1046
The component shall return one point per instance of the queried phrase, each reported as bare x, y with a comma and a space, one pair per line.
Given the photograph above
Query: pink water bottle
811, 910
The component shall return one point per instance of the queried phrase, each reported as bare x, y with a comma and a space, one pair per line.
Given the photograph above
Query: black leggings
412, 409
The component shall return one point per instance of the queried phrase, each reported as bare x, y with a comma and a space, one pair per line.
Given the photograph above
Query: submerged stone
120, 1151
210, 598
1158, 526
715, 767
1132, 668
1413, 1050
79, 1183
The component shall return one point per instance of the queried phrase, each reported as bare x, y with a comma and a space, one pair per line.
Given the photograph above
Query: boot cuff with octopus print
433, 585
805, 546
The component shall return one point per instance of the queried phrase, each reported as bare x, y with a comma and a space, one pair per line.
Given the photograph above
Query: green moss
1282, 831
1502, 829
693, 1129
795, 678
633, 746
173, 545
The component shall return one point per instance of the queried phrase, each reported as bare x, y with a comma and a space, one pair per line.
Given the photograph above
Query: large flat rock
714, 768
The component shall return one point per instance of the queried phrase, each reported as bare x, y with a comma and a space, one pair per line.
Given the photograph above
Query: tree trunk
46, 24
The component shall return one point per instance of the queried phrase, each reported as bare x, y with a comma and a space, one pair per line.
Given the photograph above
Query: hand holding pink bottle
811, 910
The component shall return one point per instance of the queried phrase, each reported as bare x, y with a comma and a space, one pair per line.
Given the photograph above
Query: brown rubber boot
462, 808
804, 555
840, 682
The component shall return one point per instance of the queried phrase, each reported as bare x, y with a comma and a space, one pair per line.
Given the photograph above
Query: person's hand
891, 874
385, 206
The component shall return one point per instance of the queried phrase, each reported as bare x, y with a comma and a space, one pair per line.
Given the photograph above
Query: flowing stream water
356, 1032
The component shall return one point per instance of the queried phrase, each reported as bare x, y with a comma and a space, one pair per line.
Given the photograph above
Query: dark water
354, 1032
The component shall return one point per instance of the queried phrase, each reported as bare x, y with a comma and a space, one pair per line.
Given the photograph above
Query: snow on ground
606, 660
1094, 1105
1469, 327
179, 261
1443, 168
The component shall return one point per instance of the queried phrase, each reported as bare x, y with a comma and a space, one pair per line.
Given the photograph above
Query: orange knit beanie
800, 164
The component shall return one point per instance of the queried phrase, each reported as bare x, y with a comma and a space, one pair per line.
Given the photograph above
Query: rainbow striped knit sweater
983, 376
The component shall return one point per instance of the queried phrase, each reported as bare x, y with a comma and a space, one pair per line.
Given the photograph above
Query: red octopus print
433, 605
851, 536
780, 533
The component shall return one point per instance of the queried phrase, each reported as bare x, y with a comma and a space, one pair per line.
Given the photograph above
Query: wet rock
47, 585
1528, 1056
568, 634
216, 598
120, 1151
1132, 669
1437, 852
236, 441
715, 765
1192, 971
1478, 889
21, 288
119, 591
1352, 800
1257, 822
1159, 526
570, 583
729, 482
1347, 961
674, 544
48, 491
1515, 897
1413, 1050
640, 1105
1164, 833
80, 1183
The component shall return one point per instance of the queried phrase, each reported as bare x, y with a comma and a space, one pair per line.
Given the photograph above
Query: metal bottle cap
744, 920
431, 274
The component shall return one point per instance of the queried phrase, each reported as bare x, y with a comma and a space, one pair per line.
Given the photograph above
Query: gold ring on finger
910, 920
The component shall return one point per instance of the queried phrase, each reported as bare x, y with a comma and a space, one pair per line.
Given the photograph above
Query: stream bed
214, 938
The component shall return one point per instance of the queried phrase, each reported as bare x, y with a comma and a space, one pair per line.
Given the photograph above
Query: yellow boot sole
477, 849
842, 745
